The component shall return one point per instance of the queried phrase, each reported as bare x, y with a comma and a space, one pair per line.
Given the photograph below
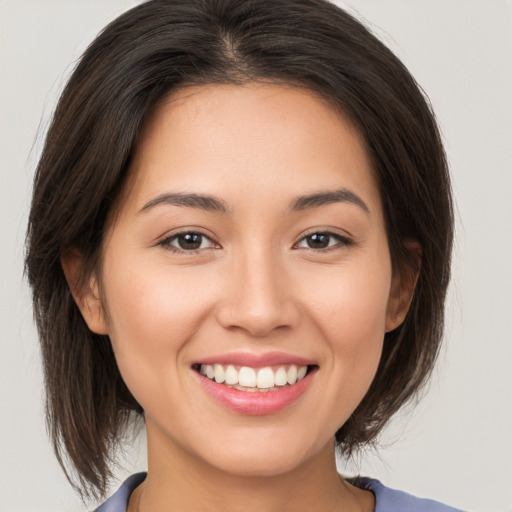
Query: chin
259, 466
260, 458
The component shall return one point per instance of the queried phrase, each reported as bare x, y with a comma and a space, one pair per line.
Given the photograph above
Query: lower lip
255, 403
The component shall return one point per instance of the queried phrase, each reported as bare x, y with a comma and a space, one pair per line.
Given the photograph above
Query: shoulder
118, 502
391, 500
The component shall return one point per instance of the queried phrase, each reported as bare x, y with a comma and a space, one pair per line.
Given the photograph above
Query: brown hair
136, 60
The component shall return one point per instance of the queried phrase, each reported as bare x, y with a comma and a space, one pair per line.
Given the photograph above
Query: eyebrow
213, 204
203, 202
342, 195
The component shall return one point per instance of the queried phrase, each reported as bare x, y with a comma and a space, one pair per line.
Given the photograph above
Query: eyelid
164, 241
343, 238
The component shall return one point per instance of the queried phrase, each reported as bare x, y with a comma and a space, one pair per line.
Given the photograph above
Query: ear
85, 292
403, 283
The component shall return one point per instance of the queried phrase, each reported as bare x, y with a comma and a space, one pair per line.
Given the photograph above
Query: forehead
219, 139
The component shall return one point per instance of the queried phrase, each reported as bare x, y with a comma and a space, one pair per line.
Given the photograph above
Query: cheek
353, 305
152, 314
351, 316
150, 300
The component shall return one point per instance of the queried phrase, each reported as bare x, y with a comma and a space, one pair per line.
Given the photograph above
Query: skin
254, 286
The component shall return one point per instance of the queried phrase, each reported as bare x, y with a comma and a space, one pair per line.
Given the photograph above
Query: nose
259, 298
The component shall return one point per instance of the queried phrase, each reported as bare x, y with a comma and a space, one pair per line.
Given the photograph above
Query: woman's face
250, 245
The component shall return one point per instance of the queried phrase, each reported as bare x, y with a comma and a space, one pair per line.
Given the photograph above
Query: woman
240, 231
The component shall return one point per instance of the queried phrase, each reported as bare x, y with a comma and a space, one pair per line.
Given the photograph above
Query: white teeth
231, 375
291, 374
251, 379
247, 377
219, 374
265, 378
280, 378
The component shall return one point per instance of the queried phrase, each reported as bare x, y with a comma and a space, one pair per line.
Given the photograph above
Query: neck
177, 480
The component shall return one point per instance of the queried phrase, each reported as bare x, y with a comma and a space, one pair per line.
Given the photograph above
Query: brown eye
319, 241
187, 242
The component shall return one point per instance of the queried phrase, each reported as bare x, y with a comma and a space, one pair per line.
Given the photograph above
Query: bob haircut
138, 59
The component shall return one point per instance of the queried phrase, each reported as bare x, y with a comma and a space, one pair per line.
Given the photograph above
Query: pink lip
256, 360
255, 403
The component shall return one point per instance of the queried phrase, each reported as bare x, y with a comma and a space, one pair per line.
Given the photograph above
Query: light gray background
457, 445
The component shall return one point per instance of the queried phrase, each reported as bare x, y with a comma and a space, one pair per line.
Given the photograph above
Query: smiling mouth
246, 378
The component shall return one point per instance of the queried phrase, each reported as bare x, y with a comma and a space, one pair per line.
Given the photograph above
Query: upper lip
256, 360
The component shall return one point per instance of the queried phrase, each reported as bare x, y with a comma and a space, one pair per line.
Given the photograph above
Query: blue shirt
386, 499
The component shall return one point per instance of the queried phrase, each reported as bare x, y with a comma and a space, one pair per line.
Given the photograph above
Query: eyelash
342, 241
166, 242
